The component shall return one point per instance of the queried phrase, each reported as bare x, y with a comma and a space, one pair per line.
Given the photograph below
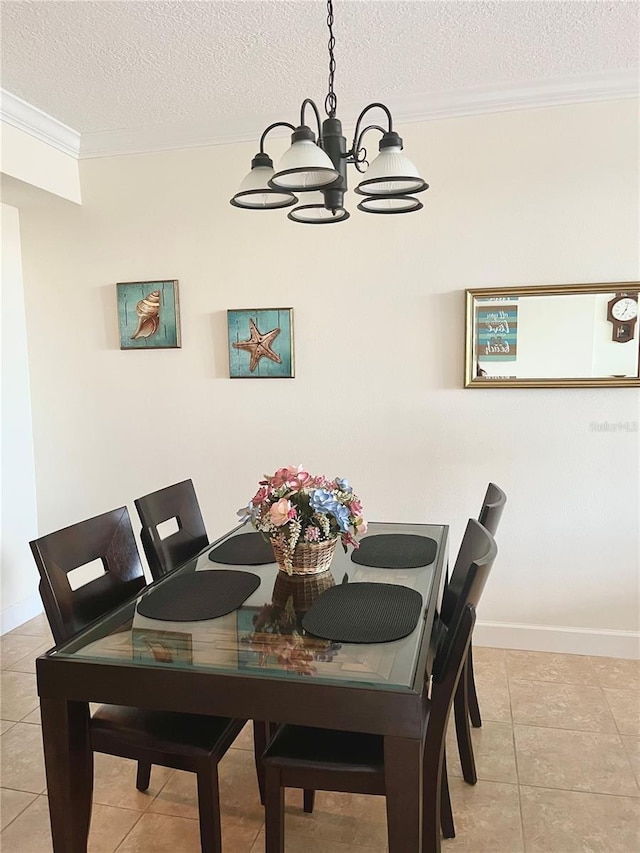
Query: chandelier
320, 168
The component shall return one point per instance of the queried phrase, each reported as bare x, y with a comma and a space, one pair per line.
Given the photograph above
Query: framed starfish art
260, 343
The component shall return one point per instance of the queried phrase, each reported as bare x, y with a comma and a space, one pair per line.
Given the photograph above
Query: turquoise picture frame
260, 343
148, 314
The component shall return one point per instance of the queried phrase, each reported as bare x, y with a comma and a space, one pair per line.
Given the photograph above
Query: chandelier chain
331, 101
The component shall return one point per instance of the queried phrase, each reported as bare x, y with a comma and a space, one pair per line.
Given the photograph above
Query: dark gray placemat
199, 595
395, 551
247, 549
364, 613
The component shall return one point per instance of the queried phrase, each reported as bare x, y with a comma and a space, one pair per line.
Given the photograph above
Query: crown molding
36, 123
560, 91
604, 86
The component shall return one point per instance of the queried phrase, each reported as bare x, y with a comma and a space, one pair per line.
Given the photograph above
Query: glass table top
264, 638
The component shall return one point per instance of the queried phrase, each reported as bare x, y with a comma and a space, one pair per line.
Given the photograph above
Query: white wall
18, 523
35, 162
531, 197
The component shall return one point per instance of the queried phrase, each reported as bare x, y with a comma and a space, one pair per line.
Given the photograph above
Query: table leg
403, 784
69, 764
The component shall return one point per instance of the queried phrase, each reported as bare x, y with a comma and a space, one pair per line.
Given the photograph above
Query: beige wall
37, 163
518, 198
18, 519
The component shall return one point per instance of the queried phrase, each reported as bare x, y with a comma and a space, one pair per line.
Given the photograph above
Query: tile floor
558, 761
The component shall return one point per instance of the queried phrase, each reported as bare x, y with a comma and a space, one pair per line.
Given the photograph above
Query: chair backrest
108, 538
473, 564
452, 652
177, 502
492, 506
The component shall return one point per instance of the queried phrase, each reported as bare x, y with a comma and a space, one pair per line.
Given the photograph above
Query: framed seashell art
260, 343
148, 314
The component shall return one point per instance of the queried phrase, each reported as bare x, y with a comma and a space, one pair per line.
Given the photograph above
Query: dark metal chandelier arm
308, 101
270, 128
358, 155
356, 132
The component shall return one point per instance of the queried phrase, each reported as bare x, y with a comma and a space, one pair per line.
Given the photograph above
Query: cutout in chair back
168, 528
88, 572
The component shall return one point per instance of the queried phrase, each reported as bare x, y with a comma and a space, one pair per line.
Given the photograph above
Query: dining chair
466, 707
323, 759
190, 742
179, 503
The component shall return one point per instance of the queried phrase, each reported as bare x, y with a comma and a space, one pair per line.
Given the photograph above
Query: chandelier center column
335, 146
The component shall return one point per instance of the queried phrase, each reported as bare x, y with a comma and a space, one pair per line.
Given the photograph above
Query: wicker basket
301, 589
309, 558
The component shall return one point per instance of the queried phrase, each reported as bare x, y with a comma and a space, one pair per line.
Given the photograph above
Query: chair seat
325, 749
184, 734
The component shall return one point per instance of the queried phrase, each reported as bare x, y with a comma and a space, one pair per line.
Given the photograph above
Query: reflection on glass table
264, 636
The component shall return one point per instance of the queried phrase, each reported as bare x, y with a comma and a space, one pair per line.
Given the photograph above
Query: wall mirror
573, 335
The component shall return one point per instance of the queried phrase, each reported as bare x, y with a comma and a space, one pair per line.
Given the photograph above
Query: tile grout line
622, 744
152, 799
127, 834
588, 793
30, 803
569, 684
515, 758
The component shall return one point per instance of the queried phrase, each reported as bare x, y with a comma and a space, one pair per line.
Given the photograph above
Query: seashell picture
148, 314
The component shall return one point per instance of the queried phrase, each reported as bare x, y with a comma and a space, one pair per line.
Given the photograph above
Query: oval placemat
364, 613
199, 595
395, 551
247, 549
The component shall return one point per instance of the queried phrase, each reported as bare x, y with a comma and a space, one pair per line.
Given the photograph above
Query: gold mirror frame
473, 381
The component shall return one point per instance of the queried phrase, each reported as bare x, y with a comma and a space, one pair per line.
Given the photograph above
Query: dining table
256, 662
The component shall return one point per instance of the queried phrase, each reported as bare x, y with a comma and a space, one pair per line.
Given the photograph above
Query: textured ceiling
104, 66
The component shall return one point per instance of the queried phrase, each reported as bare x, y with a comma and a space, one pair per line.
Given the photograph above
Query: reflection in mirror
566, 335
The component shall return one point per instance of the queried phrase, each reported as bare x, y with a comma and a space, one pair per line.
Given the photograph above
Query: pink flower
361, 526
355, 507
260, 496
298, 480
281, 512
312, 534
347, 539
293, 476
280, 477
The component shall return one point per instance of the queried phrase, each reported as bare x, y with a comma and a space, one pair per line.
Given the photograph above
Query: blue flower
343, 484
249, 512
341, 514
322, 500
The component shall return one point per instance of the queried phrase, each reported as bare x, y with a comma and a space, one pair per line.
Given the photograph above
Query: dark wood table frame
66, 685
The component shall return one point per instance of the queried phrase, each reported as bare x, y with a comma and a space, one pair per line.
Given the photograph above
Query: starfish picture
259, 345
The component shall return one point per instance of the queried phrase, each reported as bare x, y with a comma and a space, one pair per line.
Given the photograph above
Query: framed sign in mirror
570, 335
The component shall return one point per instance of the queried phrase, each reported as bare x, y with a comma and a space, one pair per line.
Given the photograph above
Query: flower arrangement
294, 507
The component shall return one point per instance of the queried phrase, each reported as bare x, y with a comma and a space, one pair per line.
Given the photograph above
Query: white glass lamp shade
304, 167
256, 194
389, 204
391, 173
313, 211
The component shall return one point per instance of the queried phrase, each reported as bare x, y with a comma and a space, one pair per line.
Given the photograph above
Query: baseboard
555, 638
18, 614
